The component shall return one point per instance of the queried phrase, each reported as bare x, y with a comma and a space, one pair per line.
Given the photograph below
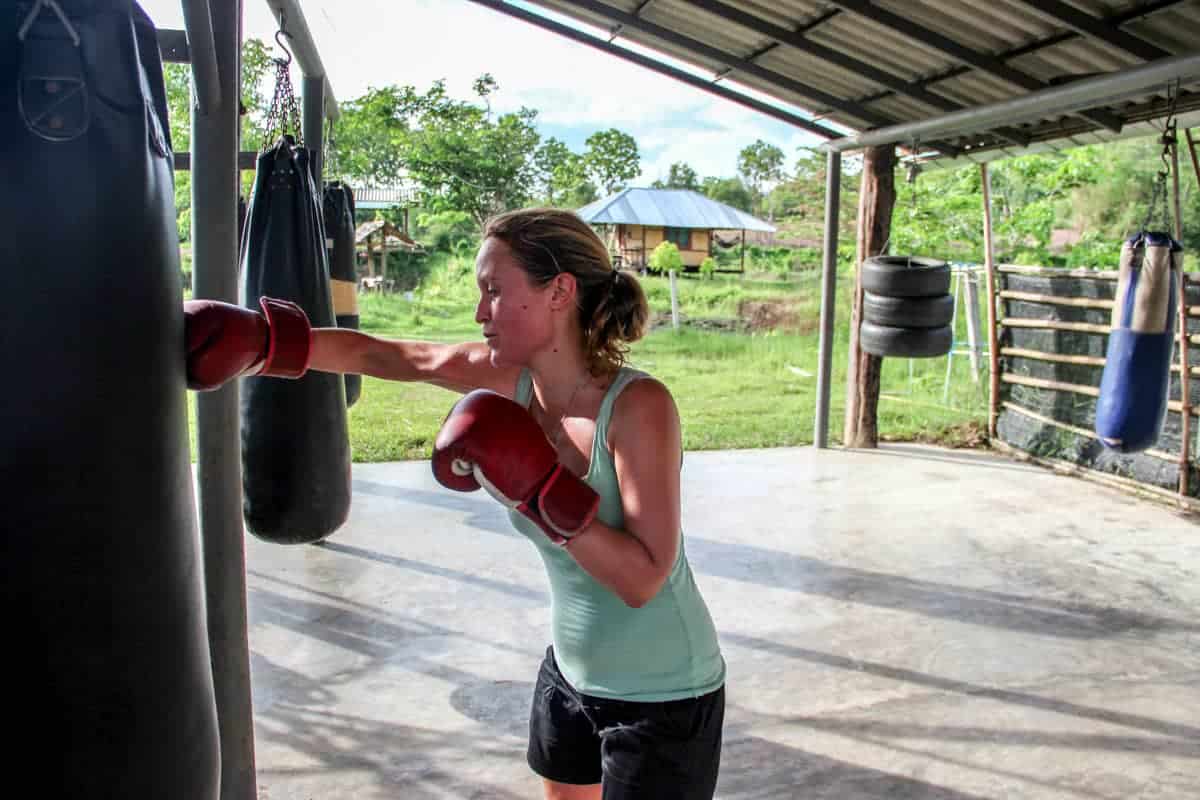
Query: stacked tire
907, 307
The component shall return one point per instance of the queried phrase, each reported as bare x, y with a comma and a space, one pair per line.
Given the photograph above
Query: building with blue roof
637, 220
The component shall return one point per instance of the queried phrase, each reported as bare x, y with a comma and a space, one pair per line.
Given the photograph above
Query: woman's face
513, 313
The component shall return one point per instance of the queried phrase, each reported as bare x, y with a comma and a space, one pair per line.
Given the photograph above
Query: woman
629, 700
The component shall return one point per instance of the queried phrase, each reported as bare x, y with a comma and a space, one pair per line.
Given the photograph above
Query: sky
576, 89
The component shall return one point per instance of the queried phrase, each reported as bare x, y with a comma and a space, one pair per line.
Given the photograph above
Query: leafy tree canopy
612, 159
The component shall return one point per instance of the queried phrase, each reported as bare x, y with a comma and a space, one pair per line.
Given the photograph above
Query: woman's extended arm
458, 367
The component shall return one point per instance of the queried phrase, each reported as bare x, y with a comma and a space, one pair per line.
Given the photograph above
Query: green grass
733, 389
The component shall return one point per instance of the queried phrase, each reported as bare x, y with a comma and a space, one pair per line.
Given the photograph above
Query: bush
666, 258
770, 259
446, 231
708, 268
1095, 251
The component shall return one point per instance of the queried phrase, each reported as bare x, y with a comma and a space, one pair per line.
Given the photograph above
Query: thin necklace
560, 428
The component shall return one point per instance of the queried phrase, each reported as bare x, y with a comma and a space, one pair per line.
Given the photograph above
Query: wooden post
989, 267
971, 301
876, 199
1185, 380
674, 302
1192, 150
743, 249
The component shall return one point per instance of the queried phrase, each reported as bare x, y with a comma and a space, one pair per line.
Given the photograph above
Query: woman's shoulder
644, 403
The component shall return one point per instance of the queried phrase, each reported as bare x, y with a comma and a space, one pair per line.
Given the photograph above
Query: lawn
742, 367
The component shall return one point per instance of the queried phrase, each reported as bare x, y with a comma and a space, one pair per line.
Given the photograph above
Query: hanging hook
1167, 139
283, 46
283, 32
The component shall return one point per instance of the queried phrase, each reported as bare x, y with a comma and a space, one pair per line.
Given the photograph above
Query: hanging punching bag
107, 677
295, 445
1137, 369
338, 204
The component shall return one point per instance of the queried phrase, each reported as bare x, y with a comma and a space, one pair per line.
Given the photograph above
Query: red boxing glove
226, 341
488, 440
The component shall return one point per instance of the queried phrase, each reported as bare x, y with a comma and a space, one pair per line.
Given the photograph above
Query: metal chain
330, 158
1159, 187
284, 115
1167, 140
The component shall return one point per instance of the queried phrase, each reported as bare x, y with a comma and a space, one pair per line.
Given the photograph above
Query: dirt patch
719, 324
971, 434
775, 314
754, 316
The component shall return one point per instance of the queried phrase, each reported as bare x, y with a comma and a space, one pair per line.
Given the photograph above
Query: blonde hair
612, 306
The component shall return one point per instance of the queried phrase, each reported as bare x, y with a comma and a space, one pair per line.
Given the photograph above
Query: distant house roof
671, 208
384, 197
393, 236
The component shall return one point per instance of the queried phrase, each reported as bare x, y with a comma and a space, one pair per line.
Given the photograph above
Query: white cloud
366, 43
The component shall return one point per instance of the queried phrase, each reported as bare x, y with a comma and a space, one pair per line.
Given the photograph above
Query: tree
680, 176
484, 86
370, 134
612, 159
730, 191
256, 65
456, 154
760, 163
561, 174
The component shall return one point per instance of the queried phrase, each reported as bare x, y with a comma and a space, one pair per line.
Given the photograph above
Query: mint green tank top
665, 650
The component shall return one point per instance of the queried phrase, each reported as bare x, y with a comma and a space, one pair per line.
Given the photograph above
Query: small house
635, 221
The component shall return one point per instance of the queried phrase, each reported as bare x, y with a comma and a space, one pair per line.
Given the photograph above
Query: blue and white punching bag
1137, 370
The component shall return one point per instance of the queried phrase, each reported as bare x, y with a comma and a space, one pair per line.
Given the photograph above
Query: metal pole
312, 115
218, 464
198, 20
1077, 96
989, 266
833, 191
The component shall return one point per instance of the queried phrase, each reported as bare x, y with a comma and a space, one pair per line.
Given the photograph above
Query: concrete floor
907, 623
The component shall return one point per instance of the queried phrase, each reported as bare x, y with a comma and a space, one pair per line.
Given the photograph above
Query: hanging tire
888, 340
908, 312
905, 276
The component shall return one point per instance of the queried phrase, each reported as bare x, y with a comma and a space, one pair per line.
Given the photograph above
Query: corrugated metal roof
384, 196
670, 208
855, 65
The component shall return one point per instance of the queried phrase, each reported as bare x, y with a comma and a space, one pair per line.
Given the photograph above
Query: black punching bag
295, 445
338, 205
107, 679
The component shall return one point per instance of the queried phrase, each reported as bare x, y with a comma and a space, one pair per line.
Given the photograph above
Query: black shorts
665, 751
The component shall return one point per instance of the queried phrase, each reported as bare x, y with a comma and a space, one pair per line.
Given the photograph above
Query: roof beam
1095, 28
854, 110
797, 40
1120, 19
656, 66
980, 61
1066, 99
616, 29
